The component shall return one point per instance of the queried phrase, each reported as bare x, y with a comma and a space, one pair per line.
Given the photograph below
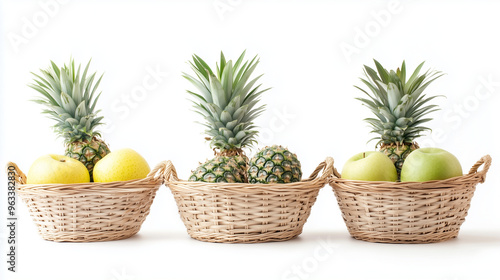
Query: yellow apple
121, 165
57, 169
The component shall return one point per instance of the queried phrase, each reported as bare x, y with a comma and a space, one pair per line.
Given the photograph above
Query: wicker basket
246, 213
89, 211
407, 212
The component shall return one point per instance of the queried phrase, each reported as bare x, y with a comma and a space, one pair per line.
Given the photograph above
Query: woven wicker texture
246, 213
407, 212
90, 211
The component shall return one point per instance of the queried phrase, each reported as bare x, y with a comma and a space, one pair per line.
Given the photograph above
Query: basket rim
313, 182
474, 176
202, 187
154, 179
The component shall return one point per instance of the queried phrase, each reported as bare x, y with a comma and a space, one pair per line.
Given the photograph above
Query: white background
312, 53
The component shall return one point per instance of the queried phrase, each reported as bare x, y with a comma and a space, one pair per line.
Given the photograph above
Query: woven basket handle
12, 169
486, 160
327, 167
170, 174
164, 171
334, 173
157, 174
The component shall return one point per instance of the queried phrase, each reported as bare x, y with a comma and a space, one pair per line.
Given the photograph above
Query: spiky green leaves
227, 100
70, 99
399, 104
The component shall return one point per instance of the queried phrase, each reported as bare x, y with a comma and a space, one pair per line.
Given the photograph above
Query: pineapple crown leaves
227, 100
399, 104
70, 99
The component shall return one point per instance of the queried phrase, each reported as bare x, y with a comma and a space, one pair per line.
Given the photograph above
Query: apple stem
363, 155
62, 160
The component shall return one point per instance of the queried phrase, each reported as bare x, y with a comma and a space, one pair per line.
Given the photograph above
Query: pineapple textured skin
398, 153
221, 169
274, 164
87, 152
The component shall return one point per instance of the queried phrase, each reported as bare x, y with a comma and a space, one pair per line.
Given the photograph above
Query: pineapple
70, 100
227, 101
221, 169
400, 108
274, 164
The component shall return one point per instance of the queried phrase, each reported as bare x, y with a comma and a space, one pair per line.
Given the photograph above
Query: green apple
426, 164
57, 169
370, 166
